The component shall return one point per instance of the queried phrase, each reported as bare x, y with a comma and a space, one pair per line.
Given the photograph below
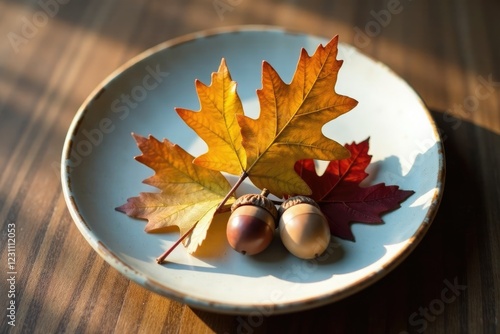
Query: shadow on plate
341, 257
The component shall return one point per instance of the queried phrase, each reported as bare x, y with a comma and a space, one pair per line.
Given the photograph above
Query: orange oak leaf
289, 127
189, 194
216, 123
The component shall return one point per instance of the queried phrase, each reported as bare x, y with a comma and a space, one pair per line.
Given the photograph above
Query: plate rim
207, 304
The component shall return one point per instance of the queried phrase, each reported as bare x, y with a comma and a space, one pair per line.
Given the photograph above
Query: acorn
251, 226
303, 227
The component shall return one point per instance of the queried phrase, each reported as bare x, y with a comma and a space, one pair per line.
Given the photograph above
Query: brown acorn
303, 227
251, 226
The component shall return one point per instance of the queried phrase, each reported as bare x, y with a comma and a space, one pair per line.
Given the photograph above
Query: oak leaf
216, 123
289, 127
340, 196
189, 194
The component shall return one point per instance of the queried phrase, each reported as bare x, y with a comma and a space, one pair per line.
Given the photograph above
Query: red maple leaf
340, 196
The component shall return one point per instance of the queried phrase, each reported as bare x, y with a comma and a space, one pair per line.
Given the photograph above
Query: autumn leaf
340, 196
289, 127
266, 149
189, 194
216, 123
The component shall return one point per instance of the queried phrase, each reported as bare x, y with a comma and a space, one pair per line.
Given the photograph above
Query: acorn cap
294, 201
258, 200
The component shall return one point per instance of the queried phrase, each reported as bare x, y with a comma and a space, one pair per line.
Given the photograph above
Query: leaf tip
350, 238
304, 53
405, 194
181, 112
334, 40
354, 102
125, 208
138, 138
223, 64
265, 64
121, 208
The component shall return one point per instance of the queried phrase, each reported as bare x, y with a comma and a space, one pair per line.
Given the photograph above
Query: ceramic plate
99, 172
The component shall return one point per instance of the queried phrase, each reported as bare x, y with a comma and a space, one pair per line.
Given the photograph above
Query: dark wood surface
52, 54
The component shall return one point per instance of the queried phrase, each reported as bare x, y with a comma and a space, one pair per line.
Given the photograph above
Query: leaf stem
219, 209
242, 178
162, 257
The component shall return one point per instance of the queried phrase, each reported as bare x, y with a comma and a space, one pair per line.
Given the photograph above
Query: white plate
99, 172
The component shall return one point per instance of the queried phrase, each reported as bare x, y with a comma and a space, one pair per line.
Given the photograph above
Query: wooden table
54, 52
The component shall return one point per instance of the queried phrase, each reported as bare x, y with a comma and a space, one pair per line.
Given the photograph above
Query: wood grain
53, 54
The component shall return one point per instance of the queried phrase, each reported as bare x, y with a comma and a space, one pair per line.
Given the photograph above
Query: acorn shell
251, 226
304, 229
250, 229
